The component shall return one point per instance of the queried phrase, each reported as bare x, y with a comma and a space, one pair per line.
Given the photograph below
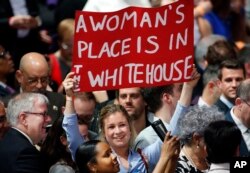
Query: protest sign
133, 47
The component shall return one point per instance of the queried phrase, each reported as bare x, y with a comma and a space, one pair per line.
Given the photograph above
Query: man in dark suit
231, 73
28, 118
33, 76
240, 115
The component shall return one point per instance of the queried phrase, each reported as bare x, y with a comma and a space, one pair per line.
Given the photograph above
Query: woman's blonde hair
111, 109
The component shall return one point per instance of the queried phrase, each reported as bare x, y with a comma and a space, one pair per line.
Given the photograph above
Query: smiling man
28, 118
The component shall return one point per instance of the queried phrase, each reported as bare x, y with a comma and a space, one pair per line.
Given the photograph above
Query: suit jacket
222, 106
56, 102
243, 147
18, 155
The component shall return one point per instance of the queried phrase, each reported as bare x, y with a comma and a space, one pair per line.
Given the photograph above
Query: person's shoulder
21, 143
146, 137
148, 130
228, 116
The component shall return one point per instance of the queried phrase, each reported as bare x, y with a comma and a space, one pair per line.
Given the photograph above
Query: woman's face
116, 130
106, 161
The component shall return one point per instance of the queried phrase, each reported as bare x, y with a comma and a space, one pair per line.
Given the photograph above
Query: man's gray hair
243, 90
196, 120
24, 102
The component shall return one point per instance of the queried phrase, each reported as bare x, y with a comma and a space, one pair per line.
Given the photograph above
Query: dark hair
231, 64
220, 51
222, 139
52, 148
86, 153
153, 96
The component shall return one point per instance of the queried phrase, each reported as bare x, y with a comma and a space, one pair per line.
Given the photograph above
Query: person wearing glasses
3, 122
6, 68
240, 115
27, 115
33, 76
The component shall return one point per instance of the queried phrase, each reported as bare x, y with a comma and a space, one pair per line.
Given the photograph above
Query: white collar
238, 122
226, 101
201, 102
219, 166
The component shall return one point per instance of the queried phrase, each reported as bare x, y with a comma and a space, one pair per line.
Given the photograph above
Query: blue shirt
220, 26
136, 164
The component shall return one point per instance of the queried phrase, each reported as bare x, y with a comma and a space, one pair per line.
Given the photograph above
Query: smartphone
160, 129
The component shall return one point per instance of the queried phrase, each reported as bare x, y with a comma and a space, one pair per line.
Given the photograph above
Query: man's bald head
32, 59
33, 72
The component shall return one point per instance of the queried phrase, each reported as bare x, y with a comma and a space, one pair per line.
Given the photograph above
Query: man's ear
166, 97
22, 119
92, 167
19, 76
238, 101
211, 85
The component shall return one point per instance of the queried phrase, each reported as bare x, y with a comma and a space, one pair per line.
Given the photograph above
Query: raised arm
188, 87
70, 124
185, 100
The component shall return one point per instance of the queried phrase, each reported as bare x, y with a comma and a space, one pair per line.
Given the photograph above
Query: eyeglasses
2, 118
3, 54
247, 103
34, 81
44, 114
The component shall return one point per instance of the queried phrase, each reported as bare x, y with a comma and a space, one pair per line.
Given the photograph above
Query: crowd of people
47, 127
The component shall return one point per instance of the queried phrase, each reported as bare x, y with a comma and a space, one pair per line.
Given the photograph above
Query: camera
159, 128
